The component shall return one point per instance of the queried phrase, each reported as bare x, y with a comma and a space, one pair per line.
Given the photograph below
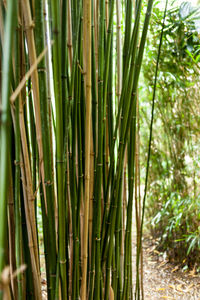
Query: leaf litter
164, 280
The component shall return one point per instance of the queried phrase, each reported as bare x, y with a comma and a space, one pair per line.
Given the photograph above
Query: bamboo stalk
48, 175
55, 7
5, 123
119, 51
32, 58
30, 208
87, 59
17, 204
69, 43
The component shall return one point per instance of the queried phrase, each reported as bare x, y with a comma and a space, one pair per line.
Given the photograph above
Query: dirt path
163, 280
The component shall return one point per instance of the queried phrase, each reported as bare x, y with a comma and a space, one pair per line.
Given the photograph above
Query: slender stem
87, 58
5, 122
137, 293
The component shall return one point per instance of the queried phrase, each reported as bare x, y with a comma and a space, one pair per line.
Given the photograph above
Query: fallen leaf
193, 273
189, 287
160, 289
180, 281
172, 287
163, 263
175, 269
178, 288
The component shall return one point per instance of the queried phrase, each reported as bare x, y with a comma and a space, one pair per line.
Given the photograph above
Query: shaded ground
163, 280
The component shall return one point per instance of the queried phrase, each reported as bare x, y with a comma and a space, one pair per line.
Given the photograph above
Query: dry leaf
163, 263
160, 289
175, 269
189, 287
178, 288
193, 272
172, 286
180, 281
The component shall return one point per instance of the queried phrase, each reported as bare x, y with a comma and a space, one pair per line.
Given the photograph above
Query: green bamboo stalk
56, 30
73, 187
48, 175
17, 204
99, 162
94, 80
94, 126
5, 120
127, 242
29, 292
128, 22
137, 291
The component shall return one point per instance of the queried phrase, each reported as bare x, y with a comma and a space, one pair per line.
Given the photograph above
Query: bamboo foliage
72, 101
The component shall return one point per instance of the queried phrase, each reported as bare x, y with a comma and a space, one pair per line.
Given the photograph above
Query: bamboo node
98, 239
17, 162
48, 182
30, 26
114, 206
59, 161
81, 69
63, 261
55, 31
41, 69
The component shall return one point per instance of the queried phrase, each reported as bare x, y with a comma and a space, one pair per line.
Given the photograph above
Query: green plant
173, 186
176, 226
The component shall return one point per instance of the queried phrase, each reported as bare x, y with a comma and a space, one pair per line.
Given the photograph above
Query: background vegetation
173, 198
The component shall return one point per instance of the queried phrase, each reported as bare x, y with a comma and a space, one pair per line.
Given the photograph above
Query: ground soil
164, 280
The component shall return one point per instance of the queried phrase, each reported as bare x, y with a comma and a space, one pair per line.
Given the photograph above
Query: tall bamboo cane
87, 60
5, 122
56, 29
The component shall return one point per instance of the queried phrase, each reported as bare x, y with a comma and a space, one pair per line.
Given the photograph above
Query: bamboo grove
69, 73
